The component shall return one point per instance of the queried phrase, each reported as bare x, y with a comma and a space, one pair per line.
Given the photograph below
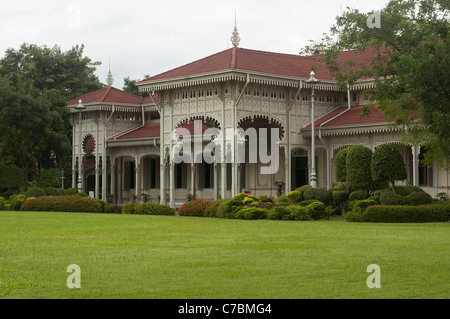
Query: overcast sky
150, 37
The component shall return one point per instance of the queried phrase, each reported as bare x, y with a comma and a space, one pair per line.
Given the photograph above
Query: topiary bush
35, 192
298, 212
317, 210
294, 197
358, 164
248, 201
282, 200
341, 165
229, 208
388, 197
279, 213
301, 189
266, 199
53, 191
252, 213
358, 195
418, 198
340, 199
319, 194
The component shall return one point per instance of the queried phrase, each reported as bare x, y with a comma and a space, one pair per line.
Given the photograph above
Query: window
207, 175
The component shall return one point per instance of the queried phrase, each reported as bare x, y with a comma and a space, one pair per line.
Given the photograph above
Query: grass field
158, 257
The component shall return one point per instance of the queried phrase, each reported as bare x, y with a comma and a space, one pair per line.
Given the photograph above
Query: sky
138, 37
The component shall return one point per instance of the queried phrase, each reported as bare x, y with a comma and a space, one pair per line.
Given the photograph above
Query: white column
138, 178
286, 170
120, 181
104, 178
215, 179
162, 180
328, 168
172, 184
74, 177
192, 188
113, 180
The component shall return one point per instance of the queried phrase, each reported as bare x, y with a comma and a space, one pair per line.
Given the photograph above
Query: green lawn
129, 256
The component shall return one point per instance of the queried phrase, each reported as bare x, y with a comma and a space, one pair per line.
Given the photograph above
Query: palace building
124, 142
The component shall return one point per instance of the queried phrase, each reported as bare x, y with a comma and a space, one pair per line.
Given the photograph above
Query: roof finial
235, 39
109, 79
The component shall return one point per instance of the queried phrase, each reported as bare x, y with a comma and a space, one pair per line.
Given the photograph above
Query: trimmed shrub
129, 208
358, 195
194, 208
294, 197
317, 210
340, 199
35, 192
252, 213
408, 214
229, 208
212, 207
301, 189
341, 165
112, 209
388, 197
358, 164
63, 204
307, 202
15, 201
240, 197
154, 208
414, 188
282, 200
53, 191
70, 191
319, 194
248, 201
266, 199
299, 213
403, 190
387, 164
279, 213
418, 198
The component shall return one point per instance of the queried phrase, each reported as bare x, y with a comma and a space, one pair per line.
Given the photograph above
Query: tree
131, 87
35, 85
388, 165
24, 119
411, 67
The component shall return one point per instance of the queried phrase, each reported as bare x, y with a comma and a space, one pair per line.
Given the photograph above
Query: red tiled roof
112, 95
351, 117
149, 130
281, 64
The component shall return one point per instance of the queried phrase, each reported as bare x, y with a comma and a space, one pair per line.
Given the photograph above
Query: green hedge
436, 212
194, 208
64, 204
407, 214
149, 208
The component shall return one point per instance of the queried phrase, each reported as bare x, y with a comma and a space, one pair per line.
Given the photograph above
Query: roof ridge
106, 93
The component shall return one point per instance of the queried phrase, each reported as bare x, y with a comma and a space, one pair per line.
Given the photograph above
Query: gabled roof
343, 116
147, 131
112, 95
261, 62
